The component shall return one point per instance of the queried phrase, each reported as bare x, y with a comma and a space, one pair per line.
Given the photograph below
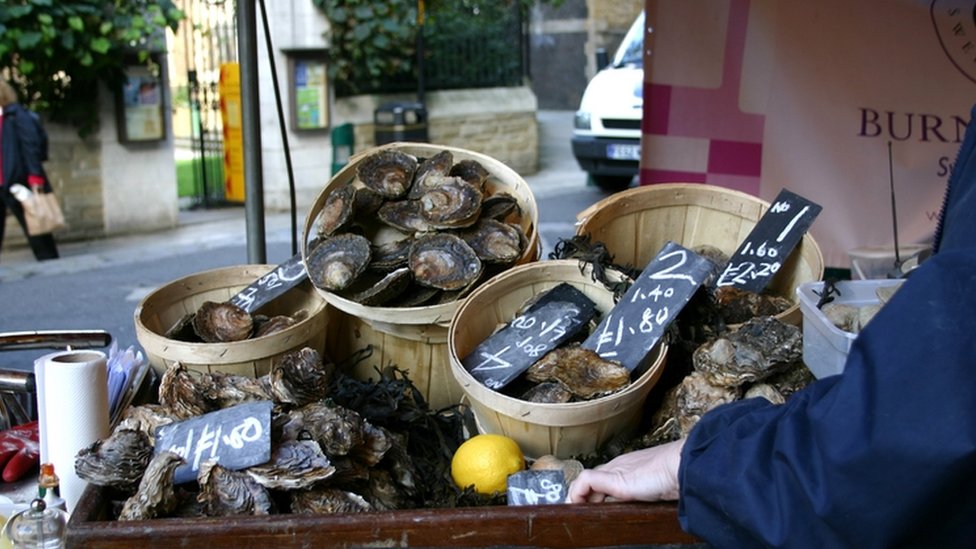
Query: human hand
650, 474
19, 450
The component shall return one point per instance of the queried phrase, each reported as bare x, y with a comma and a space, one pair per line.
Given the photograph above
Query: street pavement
98, 284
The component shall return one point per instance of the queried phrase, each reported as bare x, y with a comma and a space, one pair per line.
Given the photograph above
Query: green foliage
56, 52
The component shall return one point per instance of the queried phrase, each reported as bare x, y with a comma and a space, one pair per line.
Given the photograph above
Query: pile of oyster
853, 318
411, 231
325, 457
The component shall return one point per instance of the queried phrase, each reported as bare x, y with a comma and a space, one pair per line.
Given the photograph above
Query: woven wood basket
635, 224
413, 338
164, 307
563, 430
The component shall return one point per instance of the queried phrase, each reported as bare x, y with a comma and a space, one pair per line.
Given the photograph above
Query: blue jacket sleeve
882, 455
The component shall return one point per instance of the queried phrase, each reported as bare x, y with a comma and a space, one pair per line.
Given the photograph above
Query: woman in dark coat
20, 162
882, 455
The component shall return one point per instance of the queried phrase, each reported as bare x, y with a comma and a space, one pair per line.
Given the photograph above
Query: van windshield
631, 50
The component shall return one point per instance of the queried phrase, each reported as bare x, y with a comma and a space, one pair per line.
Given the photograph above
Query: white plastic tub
825, 346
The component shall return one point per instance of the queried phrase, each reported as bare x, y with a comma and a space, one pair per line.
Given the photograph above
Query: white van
607, 128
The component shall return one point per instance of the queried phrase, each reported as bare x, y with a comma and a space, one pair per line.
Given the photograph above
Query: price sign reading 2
763, 252
634, 326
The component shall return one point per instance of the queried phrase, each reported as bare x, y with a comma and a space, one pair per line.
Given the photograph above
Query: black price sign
634, 326
237, 437
263, 290
541, 487
558, 315
761, 255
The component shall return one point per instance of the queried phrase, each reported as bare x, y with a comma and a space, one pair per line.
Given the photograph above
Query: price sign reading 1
557, 316
634, 326
763, 252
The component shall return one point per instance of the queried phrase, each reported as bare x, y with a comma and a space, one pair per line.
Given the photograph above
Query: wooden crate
555, 526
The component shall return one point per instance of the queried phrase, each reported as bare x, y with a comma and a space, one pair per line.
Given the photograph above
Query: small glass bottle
37, 527
49, 487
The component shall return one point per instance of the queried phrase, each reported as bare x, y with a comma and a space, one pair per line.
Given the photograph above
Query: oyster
145, 418
431, 173
337, 429
294, 465
499, 206
416, 295
471, 171
548, 392
582, 371
328, 500
391, 255
336, 262
226, 390
300, 377
403, 215
118, 461
383, 290
367, 201
494, 241
274, 325
382, 492
337, 212
766, 391
225, 493
184, 392
757, 349
737, 305
571, 468
222, 322
156, 495
452, 204
376, 442
684, 405
390, 173
443, 261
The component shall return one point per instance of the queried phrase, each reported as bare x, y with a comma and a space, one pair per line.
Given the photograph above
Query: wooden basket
164, 307
502, 178
563, 430
635, 224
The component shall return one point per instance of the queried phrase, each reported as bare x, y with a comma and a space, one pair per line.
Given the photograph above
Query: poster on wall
140, 110
310, 105
749, 95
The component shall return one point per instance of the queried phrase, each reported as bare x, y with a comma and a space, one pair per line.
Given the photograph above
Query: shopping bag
41, 210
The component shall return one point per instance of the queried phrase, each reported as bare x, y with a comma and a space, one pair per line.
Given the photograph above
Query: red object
19, 450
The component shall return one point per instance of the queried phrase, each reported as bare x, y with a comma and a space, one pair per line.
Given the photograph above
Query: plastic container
876, 262
825, 346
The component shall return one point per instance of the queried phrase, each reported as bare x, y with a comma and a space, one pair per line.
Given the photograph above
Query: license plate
623, 152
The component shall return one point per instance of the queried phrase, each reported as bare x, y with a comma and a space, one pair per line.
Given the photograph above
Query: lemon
485, 461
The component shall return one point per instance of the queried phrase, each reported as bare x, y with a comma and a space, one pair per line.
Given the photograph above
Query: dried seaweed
598, 256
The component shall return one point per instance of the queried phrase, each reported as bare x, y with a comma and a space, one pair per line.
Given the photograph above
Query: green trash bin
343, 139
400, 122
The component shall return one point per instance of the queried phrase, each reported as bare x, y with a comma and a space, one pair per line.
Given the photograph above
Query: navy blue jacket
21, 156
883, 455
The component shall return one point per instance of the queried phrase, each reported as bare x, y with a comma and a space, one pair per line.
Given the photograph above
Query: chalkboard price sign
542, 487
272, 285
763, 252
557, 316
236, 437
634, 326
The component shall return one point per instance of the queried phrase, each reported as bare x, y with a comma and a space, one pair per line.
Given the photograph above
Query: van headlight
582, 120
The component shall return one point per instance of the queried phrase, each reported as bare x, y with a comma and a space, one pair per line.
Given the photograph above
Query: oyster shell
225, 493
156, 495
294, 465
118, 461
184, 392
337, 429
390, 255
328, 501
571, 468
338, 210
301, 377
548, 392
274, 325
683, 406
499, 206
454, 203
757, 349
376, 442
766, 391
403, 215
336, 262
444, 261
366, 202
471, 171
388, 172
582, 371
431, 173
226, 390
416, 295
381, 291
737, 305
494, 241
222, 322
145, 418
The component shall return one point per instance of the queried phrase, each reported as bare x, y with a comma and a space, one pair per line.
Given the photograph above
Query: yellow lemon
486, 461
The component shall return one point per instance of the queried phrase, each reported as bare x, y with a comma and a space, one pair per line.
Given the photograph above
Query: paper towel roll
72, 410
